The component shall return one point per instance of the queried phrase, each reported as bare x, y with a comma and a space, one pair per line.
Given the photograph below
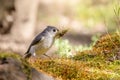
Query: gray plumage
42, 42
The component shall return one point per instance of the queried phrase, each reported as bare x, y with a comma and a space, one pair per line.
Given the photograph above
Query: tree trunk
22, 30
24, 25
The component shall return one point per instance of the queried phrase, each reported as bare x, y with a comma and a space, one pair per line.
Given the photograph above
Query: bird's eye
54, 30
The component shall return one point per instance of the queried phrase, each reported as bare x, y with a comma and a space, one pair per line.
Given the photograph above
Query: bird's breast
48, 43
44, 46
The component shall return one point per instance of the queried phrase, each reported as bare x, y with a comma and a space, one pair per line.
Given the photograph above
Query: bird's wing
35, 41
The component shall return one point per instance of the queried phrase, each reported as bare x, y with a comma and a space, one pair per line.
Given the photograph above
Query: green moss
108, 43
77, 70
86, 65
106, 47
6, 55
60, 68
27, 69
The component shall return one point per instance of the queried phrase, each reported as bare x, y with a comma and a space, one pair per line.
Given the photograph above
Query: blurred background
21, 20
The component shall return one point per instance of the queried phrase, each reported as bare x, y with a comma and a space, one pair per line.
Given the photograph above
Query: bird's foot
47, 56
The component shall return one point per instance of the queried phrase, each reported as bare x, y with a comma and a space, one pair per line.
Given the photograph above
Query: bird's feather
35, 41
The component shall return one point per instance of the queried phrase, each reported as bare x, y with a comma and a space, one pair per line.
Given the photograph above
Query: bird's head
52, 31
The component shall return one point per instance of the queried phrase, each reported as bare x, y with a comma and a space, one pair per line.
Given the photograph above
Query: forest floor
101, 62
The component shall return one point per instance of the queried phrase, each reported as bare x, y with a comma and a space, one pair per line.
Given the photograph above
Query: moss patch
86, 65
108, 43
107, 46
77, 70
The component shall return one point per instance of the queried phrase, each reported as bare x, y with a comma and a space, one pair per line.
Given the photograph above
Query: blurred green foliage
92, 14
64, 48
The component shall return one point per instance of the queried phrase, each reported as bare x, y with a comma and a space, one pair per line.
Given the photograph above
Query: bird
42, 42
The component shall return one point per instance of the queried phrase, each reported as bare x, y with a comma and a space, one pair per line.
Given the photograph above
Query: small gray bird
42, 42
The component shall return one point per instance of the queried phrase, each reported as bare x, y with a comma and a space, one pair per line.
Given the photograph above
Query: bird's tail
27, 55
